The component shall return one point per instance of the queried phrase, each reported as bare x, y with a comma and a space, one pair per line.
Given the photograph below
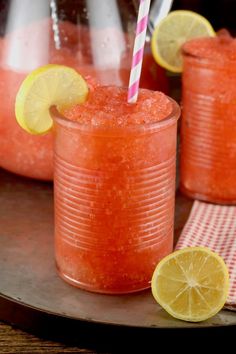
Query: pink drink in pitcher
99, 47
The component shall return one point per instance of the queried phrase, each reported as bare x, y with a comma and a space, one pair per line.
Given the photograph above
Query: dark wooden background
221, 13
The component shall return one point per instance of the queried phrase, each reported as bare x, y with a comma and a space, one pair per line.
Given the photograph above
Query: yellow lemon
172, 32
44, 87
191, 284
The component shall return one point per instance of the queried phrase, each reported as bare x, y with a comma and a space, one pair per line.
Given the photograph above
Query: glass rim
187, 53
139, 129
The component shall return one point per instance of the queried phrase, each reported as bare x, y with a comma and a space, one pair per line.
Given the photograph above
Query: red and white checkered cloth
214, 226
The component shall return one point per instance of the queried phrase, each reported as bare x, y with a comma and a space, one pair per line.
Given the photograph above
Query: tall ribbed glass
114, 202
208, 131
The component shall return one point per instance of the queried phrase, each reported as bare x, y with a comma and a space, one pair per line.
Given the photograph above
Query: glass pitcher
94, 37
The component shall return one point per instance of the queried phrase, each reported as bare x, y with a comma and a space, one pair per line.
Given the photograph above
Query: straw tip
133, 99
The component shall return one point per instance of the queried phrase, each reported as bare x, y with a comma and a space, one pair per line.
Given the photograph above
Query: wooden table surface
16, 341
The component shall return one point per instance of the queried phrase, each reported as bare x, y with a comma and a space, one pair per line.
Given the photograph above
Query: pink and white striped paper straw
138, 50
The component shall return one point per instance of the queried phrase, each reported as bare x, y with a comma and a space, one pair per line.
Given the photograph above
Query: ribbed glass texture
208, 130
114, 203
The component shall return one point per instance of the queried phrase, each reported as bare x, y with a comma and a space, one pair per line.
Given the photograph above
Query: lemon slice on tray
44, 87
172, 32
191, 284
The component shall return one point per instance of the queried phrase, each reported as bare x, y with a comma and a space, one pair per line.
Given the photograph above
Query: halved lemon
172, 32
44, 87
191, 284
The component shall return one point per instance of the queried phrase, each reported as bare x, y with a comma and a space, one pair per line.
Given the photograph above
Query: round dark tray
32, 295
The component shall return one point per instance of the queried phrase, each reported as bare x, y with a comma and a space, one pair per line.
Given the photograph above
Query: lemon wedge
191, 284
172, 32
44, 87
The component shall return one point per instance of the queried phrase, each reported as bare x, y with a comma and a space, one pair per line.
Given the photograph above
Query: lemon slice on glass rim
191, 284
172, 32
44, 87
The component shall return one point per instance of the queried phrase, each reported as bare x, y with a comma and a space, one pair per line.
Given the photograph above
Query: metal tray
32, 295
